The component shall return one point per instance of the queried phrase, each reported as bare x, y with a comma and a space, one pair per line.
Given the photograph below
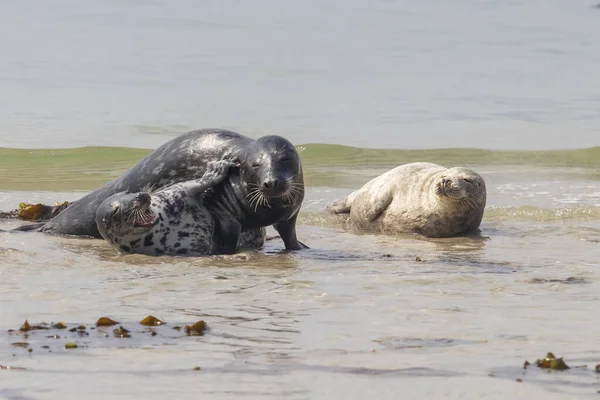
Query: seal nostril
143, 198
266, 185
275, 183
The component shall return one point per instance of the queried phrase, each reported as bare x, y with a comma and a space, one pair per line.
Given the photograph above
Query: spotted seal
171, 221
266, 189
423, 198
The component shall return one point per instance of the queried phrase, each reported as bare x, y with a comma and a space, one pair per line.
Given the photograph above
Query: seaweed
550, 362
196, 329
151, 321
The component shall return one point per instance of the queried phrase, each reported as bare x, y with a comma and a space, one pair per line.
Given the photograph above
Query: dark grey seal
266, 189
171, 221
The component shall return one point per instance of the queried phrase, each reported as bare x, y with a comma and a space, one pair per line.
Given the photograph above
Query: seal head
273, 175
462, 186
266, 189
124, 215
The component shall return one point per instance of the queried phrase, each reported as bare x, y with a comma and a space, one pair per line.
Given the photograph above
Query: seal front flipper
378, 201
215, 173
227, 235
287, 231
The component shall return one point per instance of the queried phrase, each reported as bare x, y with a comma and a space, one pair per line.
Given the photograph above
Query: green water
87, 168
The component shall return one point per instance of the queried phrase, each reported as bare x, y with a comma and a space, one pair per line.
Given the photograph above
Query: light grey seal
171, 221
423, 198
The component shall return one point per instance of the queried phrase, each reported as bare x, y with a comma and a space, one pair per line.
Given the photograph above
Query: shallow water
354, 314
357, 315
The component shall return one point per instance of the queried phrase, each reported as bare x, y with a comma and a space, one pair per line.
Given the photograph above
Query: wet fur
185, 158
184, 227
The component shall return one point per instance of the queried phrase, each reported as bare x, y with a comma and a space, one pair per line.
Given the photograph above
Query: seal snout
143, 199
275, 187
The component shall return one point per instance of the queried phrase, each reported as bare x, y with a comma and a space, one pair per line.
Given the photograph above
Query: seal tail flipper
343, 206
339, 207
28, 227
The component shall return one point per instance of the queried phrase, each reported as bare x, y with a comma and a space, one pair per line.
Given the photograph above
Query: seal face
266, 189
420, 198
273, 174
172, 221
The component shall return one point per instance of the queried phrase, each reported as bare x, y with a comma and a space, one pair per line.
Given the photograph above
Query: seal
423, 198
171, 221
267, 188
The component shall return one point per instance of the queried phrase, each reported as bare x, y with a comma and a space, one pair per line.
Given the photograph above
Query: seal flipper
28, 227
287, 231
215, 173
227, 235
376, 203
227, 231
342, 206
339, 207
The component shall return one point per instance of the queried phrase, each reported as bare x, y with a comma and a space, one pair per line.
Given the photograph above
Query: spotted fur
172, 221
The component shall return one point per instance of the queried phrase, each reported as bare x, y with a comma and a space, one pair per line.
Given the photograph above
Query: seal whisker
293, 194
296, 192
290, 197
130, 216
256, 200
261, 200
251, 193
253, 197
472, 204
265, 200
152, 188
137, 215
298, 189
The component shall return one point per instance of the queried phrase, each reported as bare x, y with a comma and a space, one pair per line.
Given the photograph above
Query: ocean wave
324, 164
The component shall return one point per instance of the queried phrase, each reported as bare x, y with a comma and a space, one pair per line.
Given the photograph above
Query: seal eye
114, 211
468, 181
255, 165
